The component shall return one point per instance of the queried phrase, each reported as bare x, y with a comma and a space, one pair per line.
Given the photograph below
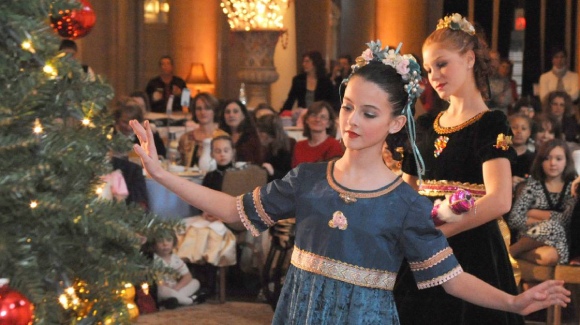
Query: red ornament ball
15, 309
73, 24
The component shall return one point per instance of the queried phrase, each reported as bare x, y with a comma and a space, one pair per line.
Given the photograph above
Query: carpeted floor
212, 313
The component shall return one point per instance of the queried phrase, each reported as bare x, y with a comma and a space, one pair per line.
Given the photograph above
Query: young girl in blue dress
355, 219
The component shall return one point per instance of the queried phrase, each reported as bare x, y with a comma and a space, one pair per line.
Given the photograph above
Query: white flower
403, 67
367, 54
456, 18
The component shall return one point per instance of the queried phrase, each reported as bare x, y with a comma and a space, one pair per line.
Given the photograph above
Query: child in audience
170, 289
521, 126
546, 128
222, 150
277, 147
541, 214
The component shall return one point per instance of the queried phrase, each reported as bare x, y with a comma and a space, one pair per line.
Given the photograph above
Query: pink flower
367, 54
403, 67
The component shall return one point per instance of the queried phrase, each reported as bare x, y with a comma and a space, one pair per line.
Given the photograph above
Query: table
167, 204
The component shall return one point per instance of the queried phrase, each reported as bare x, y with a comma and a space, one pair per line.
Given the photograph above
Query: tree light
37, 129
33, 204
27, 45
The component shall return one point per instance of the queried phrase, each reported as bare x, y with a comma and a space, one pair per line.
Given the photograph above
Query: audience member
542, 212
500, 89
546, 127
222, 150
521, 126
311, 85
169, 289
205, 114
237, 122
527, 105
70, 47
164, 87
128, 109
277, 147
559, 105
142, 99
341, 70
263, 109
559, 77
133, 175
320, 132
505, 70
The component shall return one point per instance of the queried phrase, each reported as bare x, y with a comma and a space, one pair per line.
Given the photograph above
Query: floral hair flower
456, 22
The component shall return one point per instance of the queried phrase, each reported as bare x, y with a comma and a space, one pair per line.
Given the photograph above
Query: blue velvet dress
349, 245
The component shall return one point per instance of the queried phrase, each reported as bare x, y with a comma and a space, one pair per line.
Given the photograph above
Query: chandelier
245, 15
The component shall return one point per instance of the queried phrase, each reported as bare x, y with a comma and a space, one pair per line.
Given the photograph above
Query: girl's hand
268, 167
146, 149
543, 295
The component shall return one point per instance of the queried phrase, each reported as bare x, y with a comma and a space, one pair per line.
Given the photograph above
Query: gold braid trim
435, 188
432, 261
244, 218
331, 268
446, 130
260, 208
364, 195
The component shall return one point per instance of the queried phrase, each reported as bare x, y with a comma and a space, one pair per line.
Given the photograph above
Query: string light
37, 129
27, 46
50, 71
255, 14
33, 204
86, 122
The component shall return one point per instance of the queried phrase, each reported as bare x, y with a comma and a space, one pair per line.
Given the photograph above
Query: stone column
258, 71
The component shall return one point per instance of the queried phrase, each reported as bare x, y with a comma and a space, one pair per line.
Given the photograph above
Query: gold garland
446, 130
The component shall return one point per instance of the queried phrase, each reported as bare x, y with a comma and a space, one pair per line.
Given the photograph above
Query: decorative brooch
347, 198
456, 22
503, 142
338, 221
440, 144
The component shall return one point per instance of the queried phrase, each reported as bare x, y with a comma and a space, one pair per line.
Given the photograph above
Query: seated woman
237, 122
541, 213
559, 105
205, 114
320, 131
546, 127
128, 109
277, 146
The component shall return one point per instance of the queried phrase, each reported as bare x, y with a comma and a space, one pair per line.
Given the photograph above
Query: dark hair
68, 44
559, 94
392, 83
541, 119
166, 57
537, 172
314, 109
462, 42
348, 57
163, 234
522, 116
272, 126
528, 101
558, 49
143, 95
210, 101
127, 105
262, 107
246, 126
318, 62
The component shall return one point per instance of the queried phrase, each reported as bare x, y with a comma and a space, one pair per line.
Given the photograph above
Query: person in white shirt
559, 77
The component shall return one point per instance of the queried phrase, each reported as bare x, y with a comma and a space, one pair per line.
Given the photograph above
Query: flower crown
456, 22
405, 65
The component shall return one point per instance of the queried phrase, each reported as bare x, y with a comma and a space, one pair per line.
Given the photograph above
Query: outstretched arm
215, 203
469, 288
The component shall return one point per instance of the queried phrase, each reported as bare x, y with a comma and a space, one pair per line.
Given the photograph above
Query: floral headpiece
456, 22
406, 65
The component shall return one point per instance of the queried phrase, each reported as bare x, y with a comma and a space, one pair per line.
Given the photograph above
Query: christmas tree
68, 251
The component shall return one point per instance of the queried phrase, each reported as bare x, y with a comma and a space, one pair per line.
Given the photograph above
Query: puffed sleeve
275, 201
493, 128
430, 258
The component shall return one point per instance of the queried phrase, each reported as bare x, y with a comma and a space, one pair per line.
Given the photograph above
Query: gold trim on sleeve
244, 218
441, 188
260, 208
432, 261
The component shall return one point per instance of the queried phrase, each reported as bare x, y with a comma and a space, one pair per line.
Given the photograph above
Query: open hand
146, 149
543, 295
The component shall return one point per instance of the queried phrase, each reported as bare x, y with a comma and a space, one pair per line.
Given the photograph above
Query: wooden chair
533, 274
571, 275
237, 182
